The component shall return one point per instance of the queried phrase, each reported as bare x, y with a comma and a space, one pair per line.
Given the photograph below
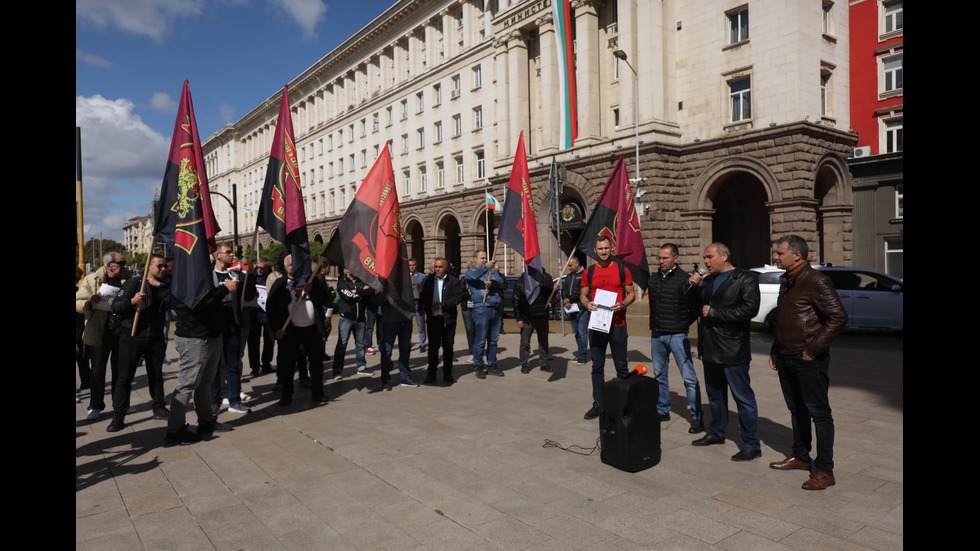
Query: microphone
640, 369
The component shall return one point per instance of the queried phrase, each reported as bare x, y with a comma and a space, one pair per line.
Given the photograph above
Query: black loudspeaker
629, 426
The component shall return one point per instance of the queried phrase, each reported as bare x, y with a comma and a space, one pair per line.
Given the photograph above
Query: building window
893, 136
377, 151
457, 125
481, 172
456, 87
350, 135
459, 169
421, 138
363, 158
391, 146
420, 100
438, 130
893, 68
478, 118
363, 127
321, 173
404, 109
895, 258
404, 143
893, 17
407, 179
825, 93
741, 99
440, 175
341, 165
738, 25
828, 26
437, 94
331, 169
333, 201
375, 123
340, 137
423, 179
321, 146
900, 201
390, 116
477, 76
351, 169
330, 142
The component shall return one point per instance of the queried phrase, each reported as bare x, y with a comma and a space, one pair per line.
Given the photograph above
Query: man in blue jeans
571, 291
670, 318
354, 297
485, 283
728, 299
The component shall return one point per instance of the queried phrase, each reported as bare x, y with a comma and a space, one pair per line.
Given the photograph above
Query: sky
131, 60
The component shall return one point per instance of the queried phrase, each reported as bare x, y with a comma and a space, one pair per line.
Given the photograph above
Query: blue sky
132, 57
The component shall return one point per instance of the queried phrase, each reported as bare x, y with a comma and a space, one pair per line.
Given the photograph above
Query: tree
96, 248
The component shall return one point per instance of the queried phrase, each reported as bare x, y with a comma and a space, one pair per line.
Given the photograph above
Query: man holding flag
519, 231
185, 222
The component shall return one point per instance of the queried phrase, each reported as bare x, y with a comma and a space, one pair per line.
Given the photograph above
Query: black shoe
319, 401
213, 427
161, 414
708, 440
746, 454
181, 436
449, 380
327, 358
423, 349
547, 369
495, 371
429, 379
481, 373
663, 417
117, 424
305, 383
592, 413
285, 401
697, 426
525, 369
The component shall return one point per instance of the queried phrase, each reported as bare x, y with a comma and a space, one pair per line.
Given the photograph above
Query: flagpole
489, 274
146, 271
486, 214
561, 272
299, 301
256, 249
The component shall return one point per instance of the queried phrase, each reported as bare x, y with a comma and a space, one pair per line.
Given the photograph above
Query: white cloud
161, 101
123, 160
92, 59
150, 18
305, 13
227, 113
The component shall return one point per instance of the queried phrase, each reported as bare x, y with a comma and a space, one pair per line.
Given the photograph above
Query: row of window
422, 174
437, 130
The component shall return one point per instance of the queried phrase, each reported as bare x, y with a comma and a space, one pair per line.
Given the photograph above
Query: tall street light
636, 110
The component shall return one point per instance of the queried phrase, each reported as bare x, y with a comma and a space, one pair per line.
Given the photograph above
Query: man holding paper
607, 288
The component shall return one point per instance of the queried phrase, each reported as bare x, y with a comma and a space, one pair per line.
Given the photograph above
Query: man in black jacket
354, 300
147, 342
441, 294
532, 317
728, 300
670, 318
305, 328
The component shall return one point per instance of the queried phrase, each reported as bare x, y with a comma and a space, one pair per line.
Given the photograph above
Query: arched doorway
741, 219
449, 229
832, 190
415, 242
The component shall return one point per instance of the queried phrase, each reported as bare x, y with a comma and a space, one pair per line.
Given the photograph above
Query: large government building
742, 109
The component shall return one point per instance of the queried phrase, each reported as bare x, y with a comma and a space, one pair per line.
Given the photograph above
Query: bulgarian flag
493, 204
561, 12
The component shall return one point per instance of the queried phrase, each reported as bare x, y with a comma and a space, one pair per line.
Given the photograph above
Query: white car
873, 300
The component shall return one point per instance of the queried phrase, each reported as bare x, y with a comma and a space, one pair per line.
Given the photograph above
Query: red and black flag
615, 217
518, 227
184, 219
370, 240
281, 211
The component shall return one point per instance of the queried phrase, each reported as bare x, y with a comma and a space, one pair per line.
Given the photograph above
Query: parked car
873, 300
510, 304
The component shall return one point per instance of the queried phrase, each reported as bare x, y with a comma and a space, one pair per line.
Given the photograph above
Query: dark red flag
281, 210
615, 217
518, 227
370, 240
184, 219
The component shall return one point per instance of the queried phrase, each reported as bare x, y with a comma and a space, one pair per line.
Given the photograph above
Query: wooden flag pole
146, 271
299, 301
559, 275
489, 274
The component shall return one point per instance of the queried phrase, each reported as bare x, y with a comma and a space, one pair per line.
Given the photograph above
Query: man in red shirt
608, 275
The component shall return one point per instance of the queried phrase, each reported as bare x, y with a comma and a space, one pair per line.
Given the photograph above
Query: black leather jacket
670, 312
723, 336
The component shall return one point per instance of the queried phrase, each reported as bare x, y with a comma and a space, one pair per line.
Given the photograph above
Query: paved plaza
464, 467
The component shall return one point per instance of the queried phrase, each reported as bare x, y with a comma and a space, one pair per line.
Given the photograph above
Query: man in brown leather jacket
809, 315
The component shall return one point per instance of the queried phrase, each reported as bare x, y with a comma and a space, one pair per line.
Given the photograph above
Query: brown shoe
790, 464
819, 481
431, 379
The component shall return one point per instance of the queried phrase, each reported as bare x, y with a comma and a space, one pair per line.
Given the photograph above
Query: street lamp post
636, 109
234, 210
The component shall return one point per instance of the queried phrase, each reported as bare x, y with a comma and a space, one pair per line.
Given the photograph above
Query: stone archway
415, 242
448, 232
832, 190
732, 202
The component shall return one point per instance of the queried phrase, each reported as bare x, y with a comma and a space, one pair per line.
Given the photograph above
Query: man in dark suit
306, 327
441, 294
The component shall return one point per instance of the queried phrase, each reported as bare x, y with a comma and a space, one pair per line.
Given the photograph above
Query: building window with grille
739, 92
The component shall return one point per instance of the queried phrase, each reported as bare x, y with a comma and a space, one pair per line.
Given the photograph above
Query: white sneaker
240, 408
364, 371
471, 360
338, 377
93, 413
244, 397
224, 401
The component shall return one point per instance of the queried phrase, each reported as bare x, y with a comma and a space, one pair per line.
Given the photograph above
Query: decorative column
587, 70
549, 84
517, 88
502, 110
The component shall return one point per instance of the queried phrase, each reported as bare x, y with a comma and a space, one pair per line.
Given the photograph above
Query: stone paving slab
464, 468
